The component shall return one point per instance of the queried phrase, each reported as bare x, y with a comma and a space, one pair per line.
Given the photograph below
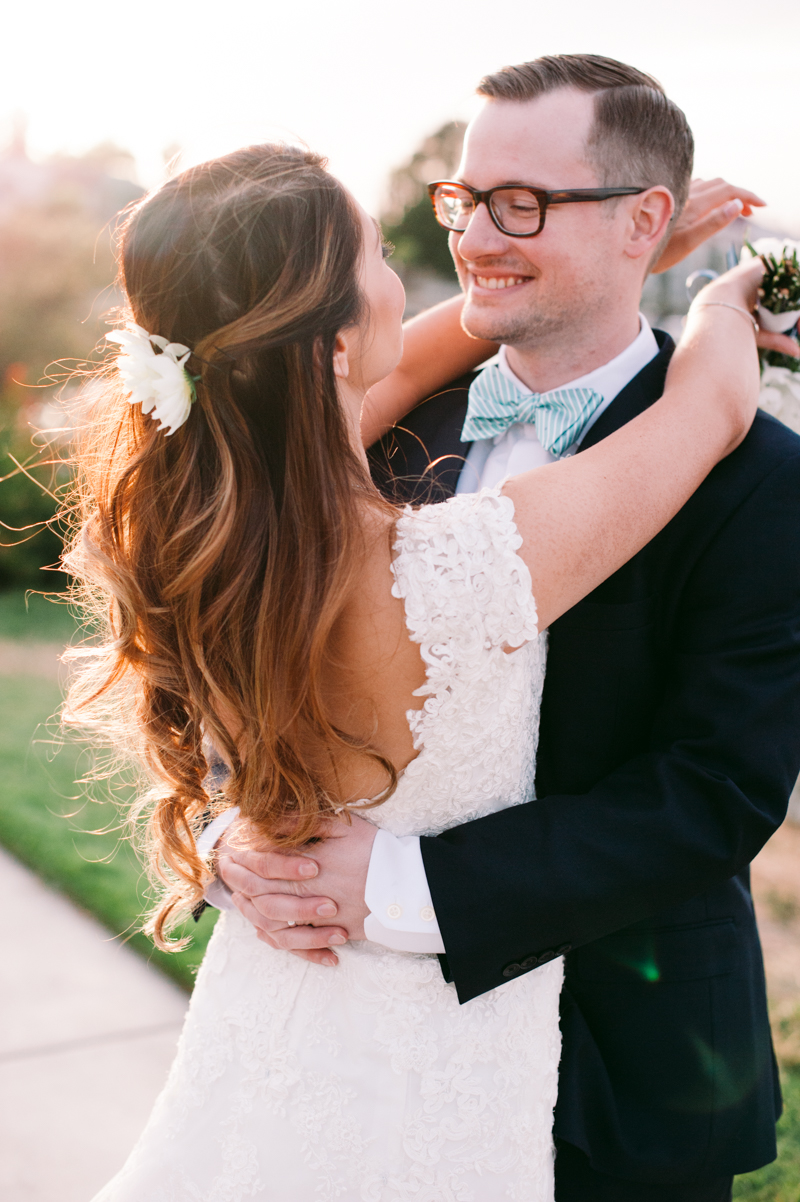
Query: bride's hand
739, 286
745, 283
711, 206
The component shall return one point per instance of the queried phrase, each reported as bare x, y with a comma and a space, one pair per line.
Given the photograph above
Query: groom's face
521, 291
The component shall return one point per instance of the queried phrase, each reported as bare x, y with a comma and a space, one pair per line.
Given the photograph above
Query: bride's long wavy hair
222, 555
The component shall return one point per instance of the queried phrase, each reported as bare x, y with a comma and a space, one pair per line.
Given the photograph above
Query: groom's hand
272, 889
712, 204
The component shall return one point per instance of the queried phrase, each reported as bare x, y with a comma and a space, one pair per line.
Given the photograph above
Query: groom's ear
649, 219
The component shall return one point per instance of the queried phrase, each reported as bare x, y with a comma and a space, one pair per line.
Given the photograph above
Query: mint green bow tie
495, 404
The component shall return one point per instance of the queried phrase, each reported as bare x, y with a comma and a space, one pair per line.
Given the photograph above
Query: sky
363, 81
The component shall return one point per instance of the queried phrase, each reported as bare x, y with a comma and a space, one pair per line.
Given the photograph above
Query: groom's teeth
494, 281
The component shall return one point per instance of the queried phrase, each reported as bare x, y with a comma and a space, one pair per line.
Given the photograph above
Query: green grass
779, 1181
44, 822
33, 616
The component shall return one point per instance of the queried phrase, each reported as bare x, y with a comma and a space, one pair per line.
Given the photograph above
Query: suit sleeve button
512, 970
394, 911
427, 913
546, 955
565, 947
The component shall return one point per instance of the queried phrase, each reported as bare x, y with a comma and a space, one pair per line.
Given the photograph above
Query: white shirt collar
611, 378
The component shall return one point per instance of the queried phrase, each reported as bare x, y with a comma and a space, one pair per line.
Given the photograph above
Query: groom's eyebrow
506, 183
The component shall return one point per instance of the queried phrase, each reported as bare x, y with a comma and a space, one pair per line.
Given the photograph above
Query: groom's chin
481, 321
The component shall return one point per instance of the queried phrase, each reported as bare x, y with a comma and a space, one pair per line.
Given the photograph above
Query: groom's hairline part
639, 136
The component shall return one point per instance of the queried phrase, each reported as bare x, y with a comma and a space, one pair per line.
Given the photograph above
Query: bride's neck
351, 399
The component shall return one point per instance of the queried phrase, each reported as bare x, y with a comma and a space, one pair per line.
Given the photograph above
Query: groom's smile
493, 282
482, 280
571, 276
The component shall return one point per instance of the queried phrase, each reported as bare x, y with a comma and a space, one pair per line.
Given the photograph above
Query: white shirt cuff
401, 909
217, 893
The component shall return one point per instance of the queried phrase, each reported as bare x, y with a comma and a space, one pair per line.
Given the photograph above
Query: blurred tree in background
408, 220
57, 272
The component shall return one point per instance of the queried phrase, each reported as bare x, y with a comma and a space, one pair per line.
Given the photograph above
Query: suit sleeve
521, 886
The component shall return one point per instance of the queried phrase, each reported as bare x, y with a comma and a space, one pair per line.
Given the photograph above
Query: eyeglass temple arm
578, 194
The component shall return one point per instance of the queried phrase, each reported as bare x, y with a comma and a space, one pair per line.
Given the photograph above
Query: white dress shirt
217, 892
397, 894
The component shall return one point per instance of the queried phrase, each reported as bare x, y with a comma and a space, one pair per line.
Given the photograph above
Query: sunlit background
98, 102
363, 80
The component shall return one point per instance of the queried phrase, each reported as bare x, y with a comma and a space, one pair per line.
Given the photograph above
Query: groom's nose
481, 237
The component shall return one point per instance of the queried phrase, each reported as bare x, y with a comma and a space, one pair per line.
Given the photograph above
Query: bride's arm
584, 517
436, 350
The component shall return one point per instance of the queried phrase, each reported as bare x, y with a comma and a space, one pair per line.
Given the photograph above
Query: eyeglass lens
515, 209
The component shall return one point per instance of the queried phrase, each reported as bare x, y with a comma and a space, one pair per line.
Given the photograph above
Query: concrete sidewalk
87, 1035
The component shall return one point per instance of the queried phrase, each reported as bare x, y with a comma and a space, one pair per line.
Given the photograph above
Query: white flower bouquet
779, 294
778, 312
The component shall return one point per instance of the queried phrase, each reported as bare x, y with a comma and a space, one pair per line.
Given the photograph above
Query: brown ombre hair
222, 555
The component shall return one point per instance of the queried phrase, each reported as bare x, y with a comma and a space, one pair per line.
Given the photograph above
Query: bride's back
374, 668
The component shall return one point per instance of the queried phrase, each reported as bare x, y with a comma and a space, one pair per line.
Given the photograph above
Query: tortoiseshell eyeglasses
516, 209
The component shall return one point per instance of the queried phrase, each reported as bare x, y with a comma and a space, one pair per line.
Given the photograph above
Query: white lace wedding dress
369, 1082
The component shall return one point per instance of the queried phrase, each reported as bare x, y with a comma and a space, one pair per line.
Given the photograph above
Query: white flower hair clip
159, 383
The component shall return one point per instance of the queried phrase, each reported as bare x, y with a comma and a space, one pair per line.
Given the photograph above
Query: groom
670, 734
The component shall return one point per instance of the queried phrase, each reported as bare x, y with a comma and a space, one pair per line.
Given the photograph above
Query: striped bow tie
495, 404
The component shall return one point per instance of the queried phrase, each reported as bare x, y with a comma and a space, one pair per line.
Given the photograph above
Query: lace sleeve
465, 588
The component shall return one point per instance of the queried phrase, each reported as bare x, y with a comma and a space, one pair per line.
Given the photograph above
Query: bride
262, 598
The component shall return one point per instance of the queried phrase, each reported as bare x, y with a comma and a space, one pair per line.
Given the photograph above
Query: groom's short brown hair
639, 137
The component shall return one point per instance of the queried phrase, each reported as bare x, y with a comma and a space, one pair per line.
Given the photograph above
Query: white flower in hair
159, 383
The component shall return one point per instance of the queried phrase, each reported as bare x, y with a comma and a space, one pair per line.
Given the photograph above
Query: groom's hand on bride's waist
291, 899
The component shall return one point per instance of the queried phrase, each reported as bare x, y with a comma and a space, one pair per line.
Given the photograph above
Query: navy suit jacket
670, 741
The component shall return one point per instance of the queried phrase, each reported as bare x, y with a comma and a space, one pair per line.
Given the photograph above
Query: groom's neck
553, 362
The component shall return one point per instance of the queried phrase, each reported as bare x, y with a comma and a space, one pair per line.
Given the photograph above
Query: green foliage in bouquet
779, 293
780, 287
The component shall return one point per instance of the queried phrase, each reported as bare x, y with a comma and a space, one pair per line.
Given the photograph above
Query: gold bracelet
737, 308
